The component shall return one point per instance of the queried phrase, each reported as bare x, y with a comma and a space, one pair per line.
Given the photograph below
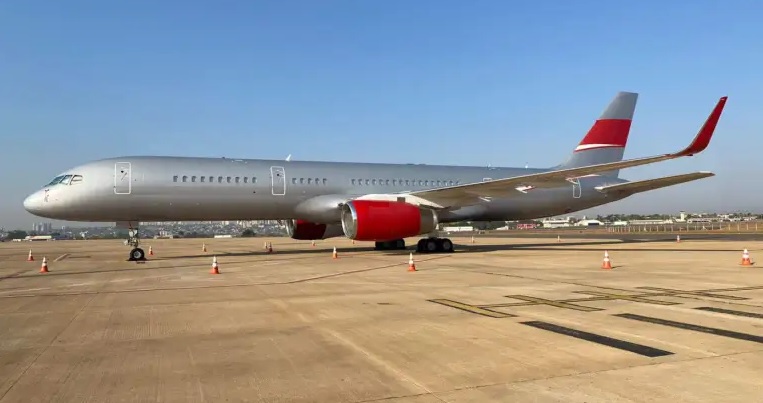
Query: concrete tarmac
502, 319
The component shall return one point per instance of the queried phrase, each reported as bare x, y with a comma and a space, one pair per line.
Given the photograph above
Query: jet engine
375, 220
306, 230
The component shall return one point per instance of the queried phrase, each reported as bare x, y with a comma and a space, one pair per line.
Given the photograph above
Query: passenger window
324, 181
238, 179
246, 179
185, 178
254, 179
219, 179
301, 181
193, 178
309, 181
211, 179
76, 179
201, 178
317, 181
293, 181
175, 178
227, 179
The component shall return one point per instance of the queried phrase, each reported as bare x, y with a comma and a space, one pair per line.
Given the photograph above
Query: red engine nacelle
375, 220
306, 230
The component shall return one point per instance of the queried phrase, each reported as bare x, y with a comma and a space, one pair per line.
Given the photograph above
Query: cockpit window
55, 181
64, 180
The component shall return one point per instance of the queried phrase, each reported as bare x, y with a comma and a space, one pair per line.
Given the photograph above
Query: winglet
702, 139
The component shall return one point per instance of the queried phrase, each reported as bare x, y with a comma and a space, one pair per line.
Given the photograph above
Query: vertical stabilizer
607, 138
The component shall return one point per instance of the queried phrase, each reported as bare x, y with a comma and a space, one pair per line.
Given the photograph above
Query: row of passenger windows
318, 181
211, 179
401, 182
309, 181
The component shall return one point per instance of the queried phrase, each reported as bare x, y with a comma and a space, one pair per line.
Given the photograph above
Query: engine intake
308, 231
376, 220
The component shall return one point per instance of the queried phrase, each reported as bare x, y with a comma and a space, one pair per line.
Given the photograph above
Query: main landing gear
426, 245
133, 239
397, 244
434, 245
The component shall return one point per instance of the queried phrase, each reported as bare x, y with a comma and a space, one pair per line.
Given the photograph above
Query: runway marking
731, 312
558, 304
599, 296
625, 297
599, 339
697, 328
472, 308
697, 293
62, 257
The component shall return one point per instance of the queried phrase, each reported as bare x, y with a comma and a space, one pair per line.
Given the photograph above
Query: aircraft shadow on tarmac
583, 246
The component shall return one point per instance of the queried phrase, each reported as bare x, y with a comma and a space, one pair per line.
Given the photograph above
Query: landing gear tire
133, 239
397, 244
434, 245
137, 254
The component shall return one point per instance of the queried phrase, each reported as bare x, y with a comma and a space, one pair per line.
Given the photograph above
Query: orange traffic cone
678, 238
265, 245
215, 269
203, 247
270, 247
150, 251
472, 239
411, 265
606, 264
558, 238
353, 242
746, 258
334, 254
313, 243
44, 267
30, 258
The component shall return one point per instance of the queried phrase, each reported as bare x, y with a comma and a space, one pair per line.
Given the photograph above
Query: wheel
447, 245
430, 245
137, 254
400, 244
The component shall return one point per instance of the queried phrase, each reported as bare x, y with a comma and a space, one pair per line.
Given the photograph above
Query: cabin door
122, 178
278, 180
576, 190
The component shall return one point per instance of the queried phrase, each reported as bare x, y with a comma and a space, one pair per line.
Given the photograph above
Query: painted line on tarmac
62, 257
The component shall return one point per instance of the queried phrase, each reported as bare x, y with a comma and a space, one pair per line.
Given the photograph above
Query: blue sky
443, 82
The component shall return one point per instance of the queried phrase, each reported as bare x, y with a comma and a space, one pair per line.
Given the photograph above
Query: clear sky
428, 81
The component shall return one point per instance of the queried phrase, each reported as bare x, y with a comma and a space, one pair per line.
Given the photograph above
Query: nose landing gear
133, 239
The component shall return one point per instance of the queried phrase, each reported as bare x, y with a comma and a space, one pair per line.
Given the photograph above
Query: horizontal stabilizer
634, 187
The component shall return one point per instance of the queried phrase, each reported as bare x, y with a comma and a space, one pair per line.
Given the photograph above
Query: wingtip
702, 140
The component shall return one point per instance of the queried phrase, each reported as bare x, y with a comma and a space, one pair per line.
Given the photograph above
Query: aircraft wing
651, 184
470, 193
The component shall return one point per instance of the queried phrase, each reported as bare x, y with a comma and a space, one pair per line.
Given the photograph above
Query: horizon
483, 84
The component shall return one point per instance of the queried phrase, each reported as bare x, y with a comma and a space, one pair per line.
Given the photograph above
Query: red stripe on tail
606, 133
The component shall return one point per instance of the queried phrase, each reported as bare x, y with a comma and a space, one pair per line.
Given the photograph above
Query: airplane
379, 202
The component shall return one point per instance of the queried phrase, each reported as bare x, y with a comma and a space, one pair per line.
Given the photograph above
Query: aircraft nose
33, 203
